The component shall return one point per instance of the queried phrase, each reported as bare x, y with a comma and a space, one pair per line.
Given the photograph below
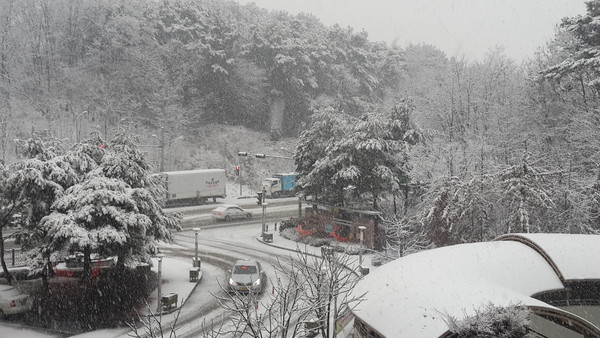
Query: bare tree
152, 326
308, 294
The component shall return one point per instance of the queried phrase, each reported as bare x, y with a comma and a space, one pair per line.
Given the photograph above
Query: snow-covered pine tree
115, 209
441, 216
126, 162
364, 158
33, 185
460, 211
97, 216
9, 206
313, 163
41, 180
525, 188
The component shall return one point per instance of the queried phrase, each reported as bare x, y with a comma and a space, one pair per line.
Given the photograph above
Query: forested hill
523, 138
180, 64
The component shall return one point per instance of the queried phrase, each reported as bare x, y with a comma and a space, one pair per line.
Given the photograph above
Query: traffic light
259, 198
242, 153
237, 170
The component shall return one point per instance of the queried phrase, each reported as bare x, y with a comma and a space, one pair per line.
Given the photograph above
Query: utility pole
159, 296
162, 144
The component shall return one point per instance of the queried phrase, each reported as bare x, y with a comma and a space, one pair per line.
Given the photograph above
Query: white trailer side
195, 186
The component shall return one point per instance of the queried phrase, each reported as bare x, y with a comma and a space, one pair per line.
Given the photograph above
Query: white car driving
228, 212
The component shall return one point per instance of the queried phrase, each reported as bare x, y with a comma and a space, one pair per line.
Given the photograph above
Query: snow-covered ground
175, 274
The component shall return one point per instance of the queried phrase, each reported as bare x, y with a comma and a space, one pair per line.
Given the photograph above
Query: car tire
248, 216
276, 194
227, 218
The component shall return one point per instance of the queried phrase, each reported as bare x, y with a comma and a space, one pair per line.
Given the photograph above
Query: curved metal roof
412, 296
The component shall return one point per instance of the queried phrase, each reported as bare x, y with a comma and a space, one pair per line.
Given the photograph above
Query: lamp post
159, 307
362, 230
264, 206
196, 263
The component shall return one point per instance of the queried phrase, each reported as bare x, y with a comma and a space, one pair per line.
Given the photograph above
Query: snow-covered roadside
175, 276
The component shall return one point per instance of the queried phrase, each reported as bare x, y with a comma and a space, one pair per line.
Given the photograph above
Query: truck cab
272, 187
279, 185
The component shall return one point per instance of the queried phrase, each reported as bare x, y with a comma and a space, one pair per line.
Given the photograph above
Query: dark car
246, 276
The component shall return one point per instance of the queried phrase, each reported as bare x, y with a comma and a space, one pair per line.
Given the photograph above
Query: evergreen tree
362, 158
524, 188
115, 209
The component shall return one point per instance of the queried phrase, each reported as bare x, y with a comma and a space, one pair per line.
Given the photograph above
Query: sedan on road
246, 276
227, 212
13, 301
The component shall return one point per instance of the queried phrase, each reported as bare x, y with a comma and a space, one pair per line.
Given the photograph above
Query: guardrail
14, 257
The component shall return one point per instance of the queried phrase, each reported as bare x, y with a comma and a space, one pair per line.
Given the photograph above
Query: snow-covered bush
288, 223
493, 321
306, 239
348, 249
319, 242
291, 234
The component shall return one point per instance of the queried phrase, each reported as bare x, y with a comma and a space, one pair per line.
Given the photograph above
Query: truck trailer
279, 185
194, 186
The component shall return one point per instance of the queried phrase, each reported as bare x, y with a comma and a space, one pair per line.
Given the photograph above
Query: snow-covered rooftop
575, 256
412, 296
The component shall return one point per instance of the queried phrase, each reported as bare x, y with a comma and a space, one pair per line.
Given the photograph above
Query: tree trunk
87, 267
9, 277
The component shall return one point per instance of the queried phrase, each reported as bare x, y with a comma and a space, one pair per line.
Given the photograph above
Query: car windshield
244, 269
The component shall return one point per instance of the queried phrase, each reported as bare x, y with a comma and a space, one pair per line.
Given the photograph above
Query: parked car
13, 301
246, 276
227, 212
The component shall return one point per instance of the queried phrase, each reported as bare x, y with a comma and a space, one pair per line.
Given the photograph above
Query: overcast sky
457, 27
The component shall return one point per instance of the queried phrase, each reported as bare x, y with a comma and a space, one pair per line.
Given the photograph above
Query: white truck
279, 185
194, 186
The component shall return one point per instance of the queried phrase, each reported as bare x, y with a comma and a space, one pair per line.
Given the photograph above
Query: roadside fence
14, 257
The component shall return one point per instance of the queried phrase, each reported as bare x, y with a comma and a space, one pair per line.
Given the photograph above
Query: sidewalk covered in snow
554, 275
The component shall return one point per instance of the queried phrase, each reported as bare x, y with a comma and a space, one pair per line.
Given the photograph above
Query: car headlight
232, 283
256, 283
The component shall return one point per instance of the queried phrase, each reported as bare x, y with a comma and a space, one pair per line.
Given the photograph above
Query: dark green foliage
288, 223
184, 64
112, 300
342, 159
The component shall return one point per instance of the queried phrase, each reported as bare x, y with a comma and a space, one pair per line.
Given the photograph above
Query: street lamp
362, 230
160, 257
196, 263
264, 207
